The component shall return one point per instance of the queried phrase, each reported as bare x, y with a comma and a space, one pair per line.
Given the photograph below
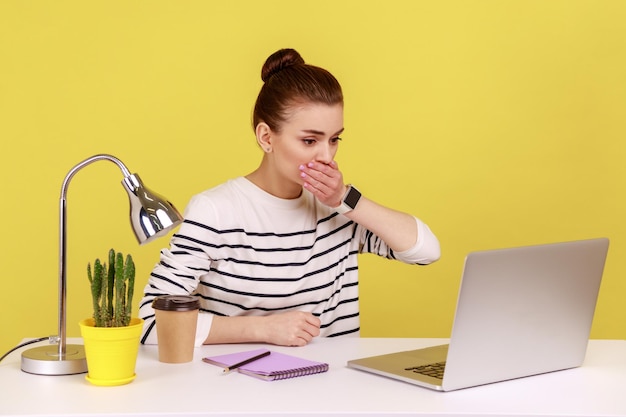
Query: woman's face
311, 133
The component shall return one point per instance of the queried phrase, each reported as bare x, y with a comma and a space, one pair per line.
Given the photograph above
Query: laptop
520, 312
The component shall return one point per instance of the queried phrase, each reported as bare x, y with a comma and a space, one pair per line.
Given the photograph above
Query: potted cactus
111, 335
112, 290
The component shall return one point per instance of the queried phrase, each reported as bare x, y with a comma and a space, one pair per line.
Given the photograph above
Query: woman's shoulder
221, 193
231, 186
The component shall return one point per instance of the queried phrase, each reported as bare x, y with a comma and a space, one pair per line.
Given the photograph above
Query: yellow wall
500, 123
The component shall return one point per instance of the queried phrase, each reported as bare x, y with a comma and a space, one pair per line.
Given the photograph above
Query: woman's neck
274, 184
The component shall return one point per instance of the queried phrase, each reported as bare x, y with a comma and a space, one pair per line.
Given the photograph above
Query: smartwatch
349, 201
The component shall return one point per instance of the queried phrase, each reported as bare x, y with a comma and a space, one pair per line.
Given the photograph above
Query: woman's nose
325, 154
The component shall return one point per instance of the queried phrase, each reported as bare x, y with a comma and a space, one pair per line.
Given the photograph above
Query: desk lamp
151, 216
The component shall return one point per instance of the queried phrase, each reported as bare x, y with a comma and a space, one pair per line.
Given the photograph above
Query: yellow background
499, 123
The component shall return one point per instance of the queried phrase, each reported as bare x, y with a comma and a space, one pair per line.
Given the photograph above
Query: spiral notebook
273, 367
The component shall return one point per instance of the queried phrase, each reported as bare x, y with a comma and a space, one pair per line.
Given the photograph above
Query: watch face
352, 198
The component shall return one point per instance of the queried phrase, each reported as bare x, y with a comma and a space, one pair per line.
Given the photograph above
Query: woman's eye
336, 140
308, 141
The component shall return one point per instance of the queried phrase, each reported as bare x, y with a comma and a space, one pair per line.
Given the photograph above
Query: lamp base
45, 360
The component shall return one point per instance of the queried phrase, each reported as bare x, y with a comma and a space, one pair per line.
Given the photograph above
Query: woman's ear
264, 136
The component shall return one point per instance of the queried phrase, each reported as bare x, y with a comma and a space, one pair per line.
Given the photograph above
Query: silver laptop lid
524, 311
520, 312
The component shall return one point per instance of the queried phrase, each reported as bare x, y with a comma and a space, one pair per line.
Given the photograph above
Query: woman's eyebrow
320, 133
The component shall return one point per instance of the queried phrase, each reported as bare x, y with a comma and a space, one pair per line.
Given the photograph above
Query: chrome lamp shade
151, 216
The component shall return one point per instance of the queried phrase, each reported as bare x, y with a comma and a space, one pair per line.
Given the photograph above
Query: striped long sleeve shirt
246, 252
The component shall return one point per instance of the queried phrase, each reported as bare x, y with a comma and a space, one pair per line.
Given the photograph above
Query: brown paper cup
176, 319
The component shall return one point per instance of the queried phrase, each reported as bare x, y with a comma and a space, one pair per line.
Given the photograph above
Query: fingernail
310, 164
301, 167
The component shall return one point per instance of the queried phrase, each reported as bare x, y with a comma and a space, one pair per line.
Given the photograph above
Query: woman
273, 255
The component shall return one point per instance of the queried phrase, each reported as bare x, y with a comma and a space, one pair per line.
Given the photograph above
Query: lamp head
151, 215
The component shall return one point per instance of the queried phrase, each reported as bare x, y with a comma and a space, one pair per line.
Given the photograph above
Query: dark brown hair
288, 81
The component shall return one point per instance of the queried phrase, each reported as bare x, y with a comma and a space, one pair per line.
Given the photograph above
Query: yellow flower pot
111, 352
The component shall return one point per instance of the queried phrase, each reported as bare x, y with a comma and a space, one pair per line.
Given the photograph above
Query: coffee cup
176, 319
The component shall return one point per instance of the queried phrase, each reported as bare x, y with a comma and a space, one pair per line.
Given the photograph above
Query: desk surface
199, 389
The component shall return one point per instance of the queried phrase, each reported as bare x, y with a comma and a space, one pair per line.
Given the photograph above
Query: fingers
320, 170
312, 326
306, 330
295, 328
325, 181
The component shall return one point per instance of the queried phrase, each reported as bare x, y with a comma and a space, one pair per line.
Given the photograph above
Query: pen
247, 361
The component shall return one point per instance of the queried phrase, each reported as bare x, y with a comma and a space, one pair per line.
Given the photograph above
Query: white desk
199, 389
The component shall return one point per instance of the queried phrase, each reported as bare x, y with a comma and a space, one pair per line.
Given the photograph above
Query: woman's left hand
324, 181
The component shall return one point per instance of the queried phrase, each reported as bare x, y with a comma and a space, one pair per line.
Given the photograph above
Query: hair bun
280, 60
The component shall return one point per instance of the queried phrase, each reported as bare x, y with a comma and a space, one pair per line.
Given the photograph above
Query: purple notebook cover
275, 366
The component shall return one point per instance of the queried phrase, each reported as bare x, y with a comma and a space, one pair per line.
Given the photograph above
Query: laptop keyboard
434, 370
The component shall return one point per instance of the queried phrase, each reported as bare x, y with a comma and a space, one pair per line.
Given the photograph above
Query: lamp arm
62, 337
89, 161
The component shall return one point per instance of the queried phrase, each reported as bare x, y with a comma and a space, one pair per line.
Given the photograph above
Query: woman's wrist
349, 201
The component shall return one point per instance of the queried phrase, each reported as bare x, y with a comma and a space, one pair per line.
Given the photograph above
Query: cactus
110, 283
129, 277
112, 290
